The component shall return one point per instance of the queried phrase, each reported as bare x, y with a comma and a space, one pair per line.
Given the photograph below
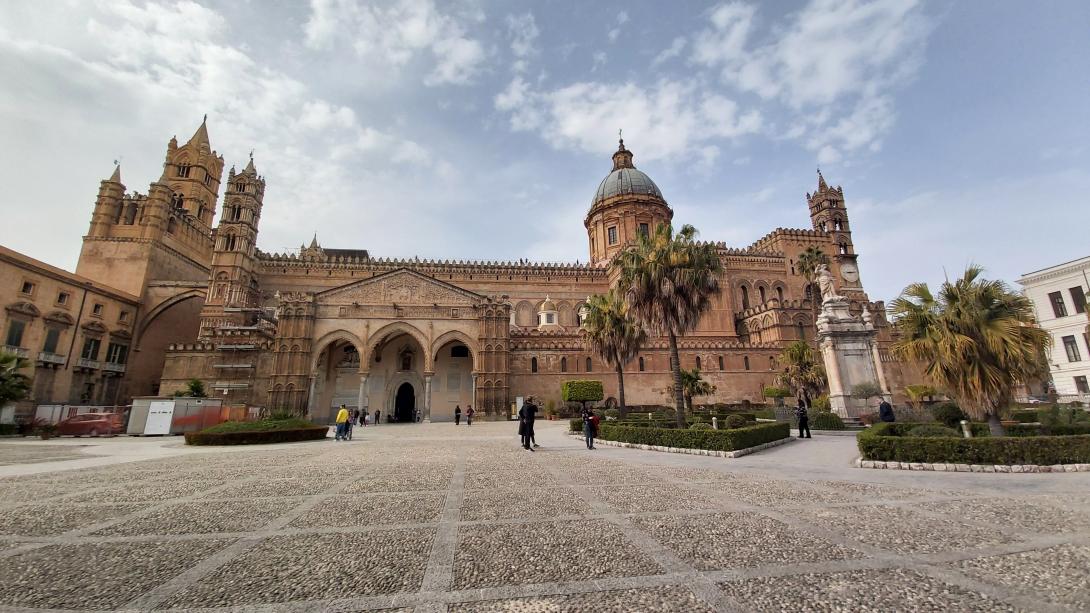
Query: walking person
469, 415
348, 424
885, 412
527, 415
589, 431
804, 420
376, 417
342, 419
457, 415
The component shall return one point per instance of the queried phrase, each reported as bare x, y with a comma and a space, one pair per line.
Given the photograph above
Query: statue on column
825, 283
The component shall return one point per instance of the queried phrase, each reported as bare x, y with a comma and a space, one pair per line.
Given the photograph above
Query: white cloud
598, 60
674, 50
675, 116
394, 34
622, 18
832, 57
523, 32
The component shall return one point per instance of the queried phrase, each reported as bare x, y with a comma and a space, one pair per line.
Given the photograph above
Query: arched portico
453, 383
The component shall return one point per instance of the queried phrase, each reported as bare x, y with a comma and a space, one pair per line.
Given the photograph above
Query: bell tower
233, 284
193, 171
829, 215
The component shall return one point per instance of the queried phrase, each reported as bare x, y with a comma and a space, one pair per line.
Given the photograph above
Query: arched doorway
405, 403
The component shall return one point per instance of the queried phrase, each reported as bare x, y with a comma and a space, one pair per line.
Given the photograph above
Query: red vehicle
92, 424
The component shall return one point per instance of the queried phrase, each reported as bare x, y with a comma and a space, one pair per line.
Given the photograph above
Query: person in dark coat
804, 420
527, 415
885, 412
469, 415
457, 414
589, 429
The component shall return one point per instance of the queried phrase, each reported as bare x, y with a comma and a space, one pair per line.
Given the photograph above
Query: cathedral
323, 327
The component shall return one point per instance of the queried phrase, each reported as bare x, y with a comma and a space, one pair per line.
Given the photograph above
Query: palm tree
802, 373
668, 280
977, 339
14, 385
917, 393
807, 264
612, 334
693, 385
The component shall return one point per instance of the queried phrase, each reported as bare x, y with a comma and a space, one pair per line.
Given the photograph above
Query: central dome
625, 180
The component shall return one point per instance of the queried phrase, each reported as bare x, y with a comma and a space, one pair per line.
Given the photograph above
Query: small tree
866, 390
194, 388
14, 385
692, 386
582, 391
802, 374
917, 393
776, 393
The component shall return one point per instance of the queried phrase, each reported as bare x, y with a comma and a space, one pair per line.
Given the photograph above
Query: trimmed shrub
948, 414
736, 421
581, 390
719, 440
821, 403
293, 423
870, 418
775, 392
1048, 430
826, 421
700, 426
887, 442
1024, 417
257, 437
931, 430
576, 424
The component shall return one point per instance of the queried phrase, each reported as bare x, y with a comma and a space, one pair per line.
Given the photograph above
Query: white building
1059, 297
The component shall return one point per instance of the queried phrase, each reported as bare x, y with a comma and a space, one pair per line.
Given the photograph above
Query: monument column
361, 400
427, 397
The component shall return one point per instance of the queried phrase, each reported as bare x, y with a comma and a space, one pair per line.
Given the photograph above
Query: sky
466, 129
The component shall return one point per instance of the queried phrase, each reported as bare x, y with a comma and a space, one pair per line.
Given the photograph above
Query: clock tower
829, 215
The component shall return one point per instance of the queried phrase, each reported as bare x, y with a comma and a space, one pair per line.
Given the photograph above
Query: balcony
89, 364
19, 351
50, 358
113, 367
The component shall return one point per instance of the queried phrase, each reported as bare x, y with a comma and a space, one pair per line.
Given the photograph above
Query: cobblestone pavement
431, 518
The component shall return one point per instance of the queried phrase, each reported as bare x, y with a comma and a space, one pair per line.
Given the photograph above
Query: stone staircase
853, 423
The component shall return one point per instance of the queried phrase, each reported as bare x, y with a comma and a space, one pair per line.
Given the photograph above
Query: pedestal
849, 350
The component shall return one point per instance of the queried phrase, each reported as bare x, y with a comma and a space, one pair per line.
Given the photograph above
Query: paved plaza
432, 518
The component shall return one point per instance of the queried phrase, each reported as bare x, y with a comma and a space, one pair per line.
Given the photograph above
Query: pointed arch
462, 337
328, 339
389, 329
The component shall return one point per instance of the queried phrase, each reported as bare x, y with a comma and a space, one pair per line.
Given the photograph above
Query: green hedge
826, 421
257, 437
886, 442
1048, 430
291, 423
581, 390
1024, 417
719, 440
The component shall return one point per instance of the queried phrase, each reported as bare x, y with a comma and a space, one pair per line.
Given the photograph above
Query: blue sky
480, 130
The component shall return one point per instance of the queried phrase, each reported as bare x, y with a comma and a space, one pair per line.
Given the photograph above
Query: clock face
849, 273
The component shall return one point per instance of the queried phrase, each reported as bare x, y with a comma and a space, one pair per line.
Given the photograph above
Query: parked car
92, 424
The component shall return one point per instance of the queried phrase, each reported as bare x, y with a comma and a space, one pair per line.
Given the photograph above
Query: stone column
361, 400
832, 369
312, 401
427, 397
474, 392
880, 371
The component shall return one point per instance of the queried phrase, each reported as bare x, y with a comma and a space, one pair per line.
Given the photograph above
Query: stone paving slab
670, 599
430, 517
95, 576
544, 552
737, 540
883, 590
315, 566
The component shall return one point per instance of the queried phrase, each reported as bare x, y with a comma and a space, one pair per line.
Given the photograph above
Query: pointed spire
250, 165
201, 135
821, 182
314, 241
116, 177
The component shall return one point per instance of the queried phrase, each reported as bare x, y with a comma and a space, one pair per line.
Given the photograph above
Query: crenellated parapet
771, 242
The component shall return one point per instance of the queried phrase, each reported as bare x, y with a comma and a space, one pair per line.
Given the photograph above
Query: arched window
745, 297
824, 227
698, 362
771, 363
779, 294
801, 330
843, 248
641, 363
406, 361
533, 364
721, 363
563, 364
809, 291
176, 201
589, 365
837, 225
745, 362
183, 170
761, 291
240, 187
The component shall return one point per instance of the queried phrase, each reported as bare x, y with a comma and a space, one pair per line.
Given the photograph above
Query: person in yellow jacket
342, 423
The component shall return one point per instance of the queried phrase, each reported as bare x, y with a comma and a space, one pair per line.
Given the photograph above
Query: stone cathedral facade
314, 329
